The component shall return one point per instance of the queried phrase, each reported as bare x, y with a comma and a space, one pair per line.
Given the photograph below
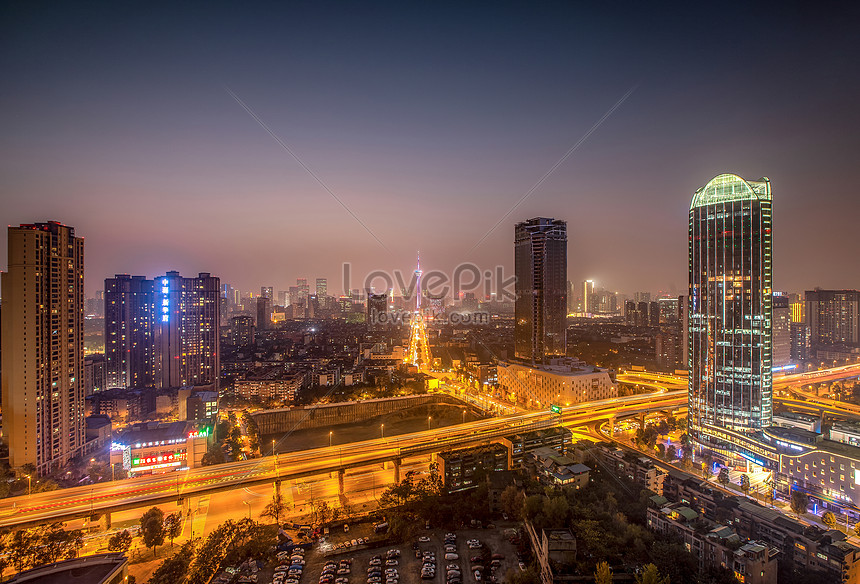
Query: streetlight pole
382, 428
29, 483
249, 509
329, 438
429, 418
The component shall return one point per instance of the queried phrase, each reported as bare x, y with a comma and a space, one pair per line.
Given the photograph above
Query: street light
329, 438
382, 428
29, 479
428, 421
249, 509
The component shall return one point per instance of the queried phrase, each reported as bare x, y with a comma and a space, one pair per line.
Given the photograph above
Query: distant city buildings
540, 264
42, 336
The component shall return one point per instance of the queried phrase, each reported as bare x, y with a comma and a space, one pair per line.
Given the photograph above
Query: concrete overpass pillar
397, 463
642, 420
105, 521
340, 474
612, 427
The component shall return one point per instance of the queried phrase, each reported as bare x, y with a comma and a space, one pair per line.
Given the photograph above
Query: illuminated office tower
43, 346
187, 330
587, 296
833, 317
304, 290
129, 332
540, 265
730, 310
322, 291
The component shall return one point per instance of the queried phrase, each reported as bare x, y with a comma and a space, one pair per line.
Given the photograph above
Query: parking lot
402, 564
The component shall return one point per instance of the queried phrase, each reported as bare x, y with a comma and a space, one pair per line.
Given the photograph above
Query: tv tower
419, 348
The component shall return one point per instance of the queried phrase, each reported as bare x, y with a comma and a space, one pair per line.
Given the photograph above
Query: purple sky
429, 122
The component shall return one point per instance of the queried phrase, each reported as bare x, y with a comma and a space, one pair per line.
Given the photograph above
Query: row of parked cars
291, 564
350, 543
336, 572
391, 575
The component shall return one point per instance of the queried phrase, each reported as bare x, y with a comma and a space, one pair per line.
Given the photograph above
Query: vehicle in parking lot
423, 539
452, 556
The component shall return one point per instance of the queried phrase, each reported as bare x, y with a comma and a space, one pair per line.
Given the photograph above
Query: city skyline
145, 144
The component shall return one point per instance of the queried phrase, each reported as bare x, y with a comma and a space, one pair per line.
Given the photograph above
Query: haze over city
429, 122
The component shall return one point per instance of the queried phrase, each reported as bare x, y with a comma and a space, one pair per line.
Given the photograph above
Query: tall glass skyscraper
540, 263
730, 310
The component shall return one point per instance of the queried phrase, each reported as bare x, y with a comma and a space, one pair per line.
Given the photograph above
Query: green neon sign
555, 409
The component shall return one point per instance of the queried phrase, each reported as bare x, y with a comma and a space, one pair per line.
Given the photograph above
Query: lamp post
429, 419
249, 509
29, 482
464, 416
382, 429
329, 438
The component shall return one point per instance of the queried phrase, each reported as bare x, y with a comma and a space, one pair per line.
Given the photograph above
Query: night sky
429, 122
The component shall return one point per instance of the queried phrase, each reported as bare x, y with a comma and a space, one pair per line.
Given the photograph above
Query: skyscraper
43, 345
188, 331
540, 263
129, 331
730, 310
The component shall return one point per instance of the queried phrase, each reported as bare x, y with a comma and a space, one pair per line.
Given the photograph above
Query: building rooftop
95, 569
563, 534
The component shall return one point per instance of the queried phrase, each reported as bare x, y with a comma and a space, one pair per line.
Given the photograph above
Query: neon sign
165, 300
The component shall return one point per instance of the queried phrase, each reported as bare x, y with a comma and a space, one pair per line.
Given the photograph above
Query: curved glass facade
730, 310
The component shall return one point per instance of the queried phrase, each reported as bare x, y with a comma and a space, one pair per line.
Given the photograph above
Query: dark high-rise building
264, 313
241, 331
540, 263
129, 332
94, 374
42, 341
188, 331
781, 335
267, 292
833, 317
730, 310
800, 343
377, 310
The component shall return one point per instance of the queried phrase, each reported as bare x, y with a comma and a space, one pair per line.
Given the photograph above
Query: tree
532, 506
723, 476
650, 575
745, 484
661, 450
152, 528
512, 500
857, 529
275, 507
172, 526
799, 502
602, 574
174, 568
214, 455
120, 542
706, 470
555, 511
829, 519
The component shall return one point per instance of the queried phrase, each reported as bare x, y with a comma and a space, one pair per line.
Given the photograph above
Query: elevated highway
114, 496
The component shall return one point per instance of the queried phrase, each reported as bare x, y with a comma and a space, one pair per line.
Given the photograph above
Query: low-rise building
639, 469
559, 439
713, 545
557, 469
271, 385
468, 467
96, 569
564, 382
157, 448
